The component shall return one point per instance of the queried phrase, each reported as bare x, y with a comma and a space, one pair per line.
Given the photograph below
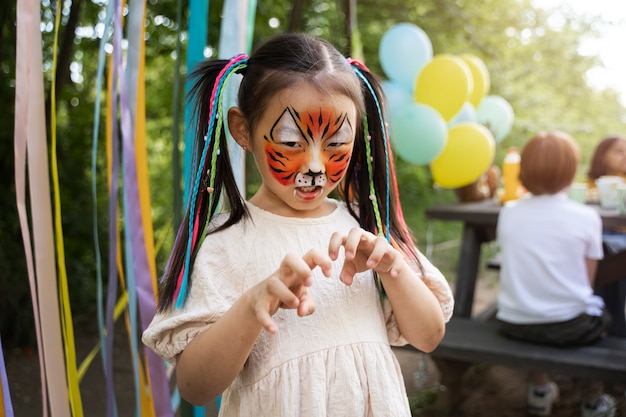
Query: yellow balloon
480, 76
468, 153
444, 84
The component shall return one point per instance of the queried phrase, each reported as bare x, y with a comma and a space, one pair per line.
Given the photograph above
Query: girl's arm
415, 307
214, 358
417, 311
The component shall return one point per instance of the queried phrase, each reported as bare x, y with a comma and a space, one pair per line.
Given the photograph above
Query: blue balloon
397, 96
467, 114
497, 115
403, 51
418, 134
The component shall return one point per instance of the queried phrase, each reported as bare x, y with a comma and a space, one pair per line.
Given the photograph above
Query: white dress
335, 362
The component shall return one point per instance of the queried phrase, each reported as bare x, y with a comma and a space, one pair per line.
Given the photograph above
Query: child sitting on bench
550, 247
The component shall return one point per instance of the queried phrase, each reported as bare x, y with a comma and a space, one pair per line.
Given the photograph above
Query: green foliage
532, 57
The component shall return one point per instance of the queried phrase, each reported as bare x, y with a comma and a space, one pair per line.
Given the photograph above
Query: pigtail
380, 210
211, 175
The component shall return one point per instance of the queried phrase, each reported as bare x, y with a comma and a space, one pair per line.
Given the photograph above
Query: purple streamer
141, 268
8, 406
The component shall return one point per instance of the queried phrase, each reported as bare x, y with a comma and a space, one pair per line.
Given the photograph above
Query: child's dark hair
597, 167
280, 63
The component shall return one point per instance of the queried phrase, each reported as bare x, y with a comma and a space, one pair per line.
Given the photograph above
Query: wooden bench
471, 340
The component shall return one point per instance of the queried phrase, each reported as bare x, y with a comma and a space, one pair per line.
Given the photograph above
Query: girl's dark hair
597, 167
280, 63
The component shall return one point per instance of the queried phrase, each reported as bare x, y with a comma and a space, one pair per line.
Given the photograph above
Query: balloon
398, 97
466, 114
403, 51
480, 76
468, 153
418, 134
497, 115
445, 84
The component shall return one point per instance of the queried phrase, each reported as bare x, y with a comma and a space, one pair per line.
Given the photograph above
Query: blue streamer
196, 43
94, 192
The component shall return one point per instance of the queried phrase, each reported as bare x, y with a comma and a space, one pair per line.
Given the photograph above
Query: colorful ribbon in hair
357, 67
215, 116
358, 63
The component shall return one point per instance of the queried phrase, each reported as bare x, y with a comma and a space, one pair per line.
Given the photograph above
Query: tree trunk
66, 46
295, 18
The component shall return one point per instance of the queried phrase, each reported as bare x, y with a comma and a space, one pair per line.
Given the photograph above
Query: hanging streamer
134, 34
64, 296
113, 167
141, 271
6, 407
196, 43
94, 194
30, 138
235, 39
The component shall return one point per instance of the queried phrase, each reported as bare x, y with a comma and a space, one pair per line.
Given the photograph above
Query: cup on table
578, 192
621, 198
607, 191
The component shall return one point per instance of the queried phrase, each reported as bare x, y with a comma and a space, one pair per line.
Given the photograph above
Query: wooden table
479, 226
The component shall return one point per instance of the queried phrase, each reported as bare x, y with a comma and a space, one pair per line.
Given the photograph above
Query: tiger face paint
309, 149
302, 145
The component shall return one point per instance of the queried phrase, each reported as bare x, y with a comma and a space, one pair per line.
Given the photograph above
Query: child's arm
212, 360
417, 310
592, 267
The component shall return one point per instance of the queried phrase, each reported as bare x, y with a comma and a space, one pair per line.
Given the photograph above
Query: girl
290, 303
550, 246
609, 158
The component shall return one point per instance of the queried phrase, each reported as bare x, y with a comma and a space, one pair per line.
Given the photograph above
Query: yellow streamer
66, 313
147, 402
2, 412
121, 304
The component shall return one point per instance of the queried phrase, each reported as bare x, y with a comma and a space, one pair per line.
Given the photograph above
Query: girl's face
302, 146
615, 158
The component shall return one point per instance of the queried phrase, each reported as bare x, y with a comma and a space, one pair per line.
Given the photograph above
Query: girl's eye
290, 144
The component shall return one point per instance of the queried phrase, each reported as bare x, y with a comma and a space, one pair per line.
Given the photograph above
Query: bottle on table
510, 175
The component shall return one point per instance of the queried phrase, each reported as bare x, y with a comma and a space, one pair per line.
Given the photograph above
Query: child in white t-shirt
550, 250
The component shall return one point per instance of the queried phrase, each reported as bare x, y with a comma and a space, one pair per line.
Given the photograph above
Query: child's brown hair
549, 162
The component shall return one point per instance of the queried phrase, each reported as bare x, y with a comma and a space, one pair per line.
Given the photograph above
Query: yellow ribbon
64, 299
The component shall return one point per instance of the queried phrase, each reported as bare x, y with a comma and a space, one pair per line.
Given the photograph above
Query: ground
487, 391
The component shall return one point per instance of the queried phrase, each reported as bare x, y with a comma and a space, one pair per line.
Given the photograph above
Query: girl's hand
364, 251
288, 288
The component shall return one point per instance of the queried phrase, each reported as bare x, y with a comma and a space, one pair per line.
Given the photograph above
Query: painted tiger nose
316, 177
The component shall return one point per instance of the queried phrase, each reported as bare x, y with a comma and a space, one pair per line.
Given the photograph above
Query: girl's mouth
307, 193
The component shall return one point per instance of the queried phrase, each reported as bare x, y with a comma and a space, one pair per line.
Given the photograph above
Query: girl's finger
294, 270
353, 242
347, 273
381, 248
264, 318
336, 242
276, 288
307, 305
315, 258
